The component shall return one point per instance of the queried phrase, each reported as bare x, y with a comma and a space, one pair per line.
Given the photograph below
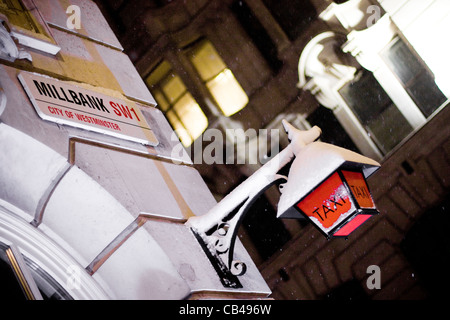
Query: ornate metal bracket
219, 241
216, 231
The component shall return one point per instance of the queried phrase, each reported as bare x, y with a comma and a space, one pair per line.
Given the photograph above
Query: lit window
192, 116
220, 81
179, 128
227, 92
181, 109
207, 61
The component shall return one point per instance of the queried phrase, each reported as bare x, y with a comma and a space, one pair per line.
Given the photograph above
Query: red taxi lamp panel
327, 185
340, 204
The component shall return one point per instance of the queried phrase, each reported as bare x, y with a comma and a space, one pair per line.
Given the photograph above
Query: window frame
13, 257
366, 120
40, 39
400, 97
225, 71
171, 103
52, 259
408, 85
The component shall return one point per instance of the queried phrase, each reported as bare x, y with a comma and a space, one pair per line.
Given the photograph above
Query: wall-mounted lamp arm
218, 228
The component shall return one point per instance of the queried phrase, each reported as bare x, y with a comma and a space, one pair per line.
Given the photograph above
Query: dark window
15, 286
177, 103
332, 131
292, 16
382, 120
427, 247
257, 33
417, 80
9, 288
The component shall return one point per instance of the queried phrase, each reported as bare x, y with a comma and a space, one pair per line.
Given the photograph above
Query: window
173, 98
417, 80
219, 80
332, 132
382, 120
22, 279
18, 15
26, 28
180, 108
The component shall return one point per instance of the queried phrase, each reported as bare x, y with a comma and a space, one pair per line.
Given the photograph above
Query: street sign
73, 105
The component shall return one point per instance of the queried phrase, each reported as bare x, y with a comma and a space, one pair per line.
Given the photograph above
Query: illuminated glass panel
359, 189
228, 93
352, 225
181, 109
159, 73
161, 99
219, 80
173, 88
179, 128
339, 204
191, 115
328, 204
207, 61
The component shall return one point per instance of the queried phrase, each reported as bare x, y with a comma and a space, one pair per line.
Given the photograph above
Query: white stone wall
114, 207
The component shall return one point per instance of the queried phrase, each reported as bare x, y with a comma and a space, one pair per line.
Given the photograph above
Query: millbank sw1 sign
65, 103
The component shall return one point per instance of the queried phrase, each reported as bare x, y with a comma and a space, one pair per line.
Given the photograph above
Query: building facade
372, 74
93, 200
89, 211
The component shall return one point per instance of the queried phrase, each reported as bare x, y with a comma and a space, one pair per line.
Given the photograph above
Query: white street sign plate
69, 104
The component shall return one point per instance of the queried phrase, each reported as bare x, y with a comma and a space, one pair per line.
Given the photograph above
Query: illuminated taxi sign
65, 103
327, 185
340, 204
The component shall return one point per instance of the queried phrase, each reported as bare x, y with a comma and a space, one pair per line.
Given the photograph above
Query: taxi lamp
326, 185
